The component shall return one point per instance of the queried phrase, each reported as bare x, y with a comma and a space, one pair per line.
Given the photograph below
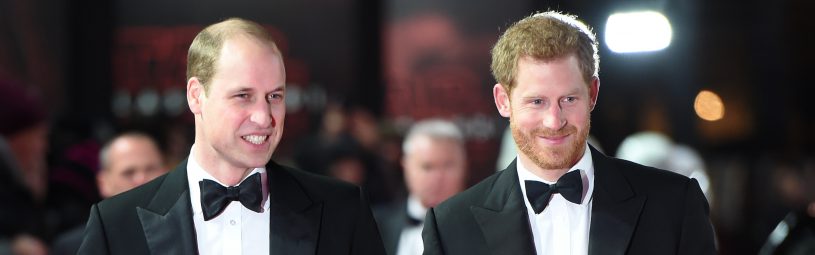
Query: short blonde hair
544, 36
205, 50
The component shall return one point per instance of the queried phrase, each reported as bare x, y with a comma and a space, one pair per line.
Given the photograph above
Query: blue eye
537, 101
274, 97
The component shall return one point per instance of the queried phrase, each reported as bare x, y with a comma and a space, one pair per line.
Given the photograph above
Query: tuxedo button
232, 222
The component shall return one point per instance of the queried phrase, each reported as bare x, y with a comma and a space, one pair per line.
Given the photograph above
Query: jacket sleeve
366, 236
95, 240
430, 235
697, 231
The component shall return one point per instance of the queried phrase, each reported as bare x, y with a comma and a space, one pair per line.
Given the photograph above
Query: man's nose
553, 117
139, 178
261, 115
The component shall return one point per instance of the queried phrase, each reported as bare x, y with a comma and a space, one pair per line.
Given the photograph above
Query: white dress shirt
563, 226
410, 241
237, 230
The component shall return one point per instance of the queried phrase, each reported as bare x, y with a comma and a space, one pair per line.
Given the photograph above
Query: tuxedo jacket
635, 210
310, 214
392, 219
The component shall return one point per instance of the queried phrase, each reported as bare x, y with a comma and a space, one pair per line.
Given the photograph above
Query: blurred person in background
126, 161
346, 162
657, 150
23, 171
795, 234
348, 146
434, 162
380, 180
313, 151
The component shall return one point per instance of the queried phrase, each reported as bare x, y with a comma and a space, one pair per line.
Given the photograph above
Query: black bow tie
412, 222
570, 186
215, 198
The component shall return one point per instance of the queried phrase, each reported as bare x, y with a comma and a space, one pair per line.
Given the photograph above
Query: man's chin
256, 160
554, 159
263, 161
431, 202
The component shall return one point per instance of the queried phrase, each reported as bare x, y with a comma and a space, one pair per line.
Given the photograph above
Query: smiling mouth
554, 139
255, 139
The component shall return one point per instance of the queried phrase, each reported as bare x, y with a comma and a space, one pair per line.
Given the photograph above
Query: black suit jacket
635, 210
67, 243
310, 214
26, 215
392, 219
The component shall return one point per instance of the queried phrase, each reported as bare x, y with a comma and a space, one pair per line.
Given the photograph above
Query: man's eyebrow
250, 89
241, 89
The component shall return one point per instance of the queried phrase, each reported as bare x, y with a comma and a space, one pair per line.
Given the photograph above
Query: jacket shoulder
322, 187
126, 201
475, 195
650, 179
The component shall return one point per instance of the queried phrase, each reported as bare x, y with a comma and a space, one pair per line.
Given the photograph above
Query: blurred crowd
52, 171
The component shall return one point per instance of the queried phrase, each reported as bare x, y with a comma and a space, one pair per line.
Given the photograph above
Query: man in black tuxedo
561, 196
228, 197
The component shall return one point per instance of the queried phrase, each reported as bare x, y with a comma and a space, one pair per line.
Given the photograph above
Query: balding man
229, 197
126, 161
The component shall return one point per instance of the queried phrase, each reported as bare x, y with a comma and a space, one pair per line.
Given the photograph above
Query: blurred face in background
349, 169
434, 169
130, 162
30, 147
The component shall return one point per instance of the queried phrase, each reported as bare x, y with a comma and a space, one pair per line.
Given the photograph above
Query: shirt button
232, 222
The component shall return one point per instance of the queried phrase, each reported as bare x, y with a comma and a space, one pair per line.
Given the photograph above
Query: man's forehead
241, 41
239, 54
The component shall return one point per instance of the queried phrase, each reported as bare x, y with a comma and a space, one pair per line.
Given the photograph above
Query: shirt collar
415, 209
196, 173
586, 163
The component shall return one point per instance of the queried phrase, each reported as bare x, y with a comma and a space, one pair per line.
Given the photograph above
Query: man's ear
501, 100
404, 164
195, 94
104, 187
594, 92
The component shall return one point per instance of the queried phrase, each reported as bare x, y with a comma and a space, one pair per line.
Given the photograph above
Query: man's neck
222, 171
415, 208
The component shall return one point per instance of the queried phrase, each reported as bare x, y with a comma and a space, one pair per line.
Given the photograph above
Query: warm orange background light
708, 106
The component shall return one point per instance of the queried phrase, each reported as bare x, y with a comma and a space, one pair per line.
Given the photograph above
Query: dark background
84, 56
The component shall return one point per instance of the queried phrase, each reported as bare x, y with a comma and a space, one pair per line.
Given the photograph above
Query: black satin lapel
612, 225
503, 218
171, 233
295, 218
295, 232
168, 193
284, 189
615, 209
392, 226
506, 232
